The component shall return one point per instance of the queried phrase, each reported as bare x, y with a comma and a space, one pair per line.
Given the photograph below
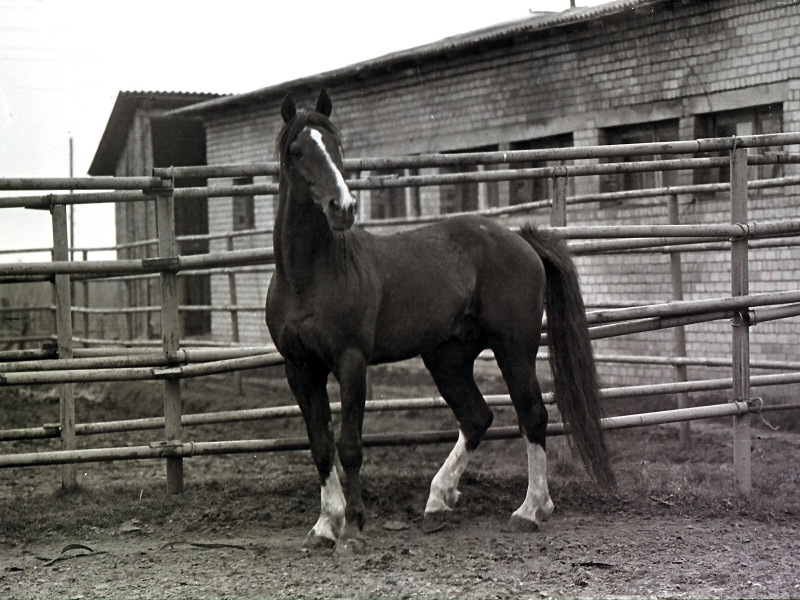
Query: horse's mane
291, 129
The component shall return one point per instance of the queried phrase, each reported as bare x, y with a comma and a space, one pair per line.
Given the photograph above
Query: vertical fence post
413, 208
741, 334
678, 333
86, 303
63, 294
558, 210
558, 448
233, 299
170, 333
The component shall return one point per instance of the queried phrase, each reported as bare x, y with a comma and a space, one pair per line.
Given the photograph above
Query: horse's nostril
334, 204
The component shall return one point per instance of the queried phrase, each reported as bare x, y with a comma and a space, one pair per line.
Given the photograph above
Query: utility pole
71, 206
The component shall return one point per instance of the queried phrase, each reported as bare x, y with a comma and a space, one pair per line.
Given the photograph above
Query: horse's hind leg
451, 367
518, 366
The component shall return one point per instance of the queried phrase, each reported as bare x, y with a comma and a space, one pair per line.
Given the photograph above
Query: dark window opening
244, 208
468, 196
390, 202
522, 191
748, 121
181, 142
640, 133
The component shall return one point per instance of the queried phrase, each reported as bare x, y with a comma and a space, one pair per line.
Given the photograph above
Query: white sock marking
444, 487
331, 517
537, 506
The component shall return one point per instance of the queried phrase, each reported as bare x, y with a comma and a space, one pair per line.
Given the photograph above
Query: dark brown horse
342, 299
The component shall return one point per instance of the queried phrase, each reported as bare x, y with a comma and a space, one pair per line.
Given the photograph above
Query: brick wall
668, 60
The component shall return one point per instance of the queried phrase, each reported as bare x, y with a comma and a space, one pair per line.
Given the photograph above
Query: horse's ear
324, 104
288, 108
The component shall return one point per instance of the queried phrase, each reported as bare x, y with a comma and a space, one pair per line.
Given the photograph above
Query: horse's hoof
435, 521
517, 524
318, 542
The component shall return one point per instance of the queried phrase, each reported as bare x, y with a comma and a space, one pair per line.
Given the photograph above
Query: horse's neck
300, 239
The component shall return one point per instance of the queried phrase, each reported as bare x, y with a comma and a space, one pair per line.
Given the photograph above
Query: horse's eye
296, 152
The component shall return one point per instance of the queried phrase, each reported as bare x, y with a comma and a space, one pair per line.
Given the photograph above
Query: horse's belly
418, 332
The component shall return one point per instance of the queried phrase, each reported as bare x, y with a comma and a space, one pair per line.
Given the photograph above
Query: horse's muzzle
341, 217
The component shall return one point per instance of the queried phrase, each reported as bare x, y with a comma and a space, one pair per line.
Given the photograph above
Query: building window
390, 202
522, 191
468, 197
748, 121
244, 211
640, 133
191, 227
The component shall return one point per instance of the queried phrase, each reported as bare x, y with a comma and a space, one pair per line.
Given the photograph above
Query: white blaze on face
331, 518
537, 506
346, 199
444, 487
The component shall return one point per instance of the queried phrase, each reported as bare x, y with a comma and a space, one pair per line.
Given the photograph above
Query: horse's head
311, 157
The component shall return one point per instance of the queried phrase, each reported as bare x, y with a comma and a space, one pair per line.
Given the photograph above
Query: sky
62, 64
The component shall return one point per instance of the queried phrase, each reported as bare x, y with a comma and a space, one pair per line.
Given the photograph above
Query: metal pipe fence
66, 364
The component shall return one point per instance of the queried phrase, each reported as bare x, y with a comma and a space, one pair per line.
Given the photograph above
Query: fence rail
66, 364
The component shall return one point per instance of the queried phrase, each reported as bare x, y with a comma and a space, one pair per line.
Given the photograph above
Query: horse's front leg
351, 372
308, 384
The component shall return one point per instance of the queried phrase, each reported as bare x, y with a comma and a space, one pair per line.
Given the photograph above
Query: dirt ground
673, 530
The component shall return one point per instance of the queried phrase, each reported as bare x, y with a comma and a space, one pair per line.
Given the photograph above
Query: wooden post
742, 443
678, 333
558, 210
170, 335
558, 448
233, 299
413, 207
63, 294
86, 301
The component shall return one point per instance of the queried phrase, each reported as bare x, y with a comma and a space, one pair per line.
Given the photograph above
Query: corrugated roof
537, 23
119, 122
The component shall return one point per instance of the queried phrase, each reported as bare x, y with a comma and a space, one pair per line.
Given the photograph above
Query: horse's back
461, 252
503, 261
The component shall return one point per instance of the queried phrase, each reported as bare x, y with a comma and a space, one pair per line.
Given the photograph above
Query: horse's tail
571, 358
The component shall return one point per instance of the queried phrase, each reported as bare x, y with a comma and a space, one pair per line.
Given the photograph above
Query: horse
341, 299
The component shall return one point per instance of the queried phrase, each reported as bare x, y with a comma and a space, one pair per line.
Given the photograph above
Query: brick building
627, 71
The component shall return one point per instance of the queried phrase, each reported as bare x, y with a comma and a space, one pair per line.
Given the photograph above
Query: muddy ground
675, 529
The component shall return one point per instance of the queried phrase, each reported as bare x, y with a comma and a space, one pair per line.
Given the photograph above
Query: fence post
679, 333
86, 302
558, 210
558, 448
233, 299
413, 207
63, 294
742, 443
170, 334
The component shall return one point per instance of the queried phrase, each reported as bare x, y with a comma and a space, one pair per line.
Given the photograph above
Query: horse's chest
293, 327
311, 326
